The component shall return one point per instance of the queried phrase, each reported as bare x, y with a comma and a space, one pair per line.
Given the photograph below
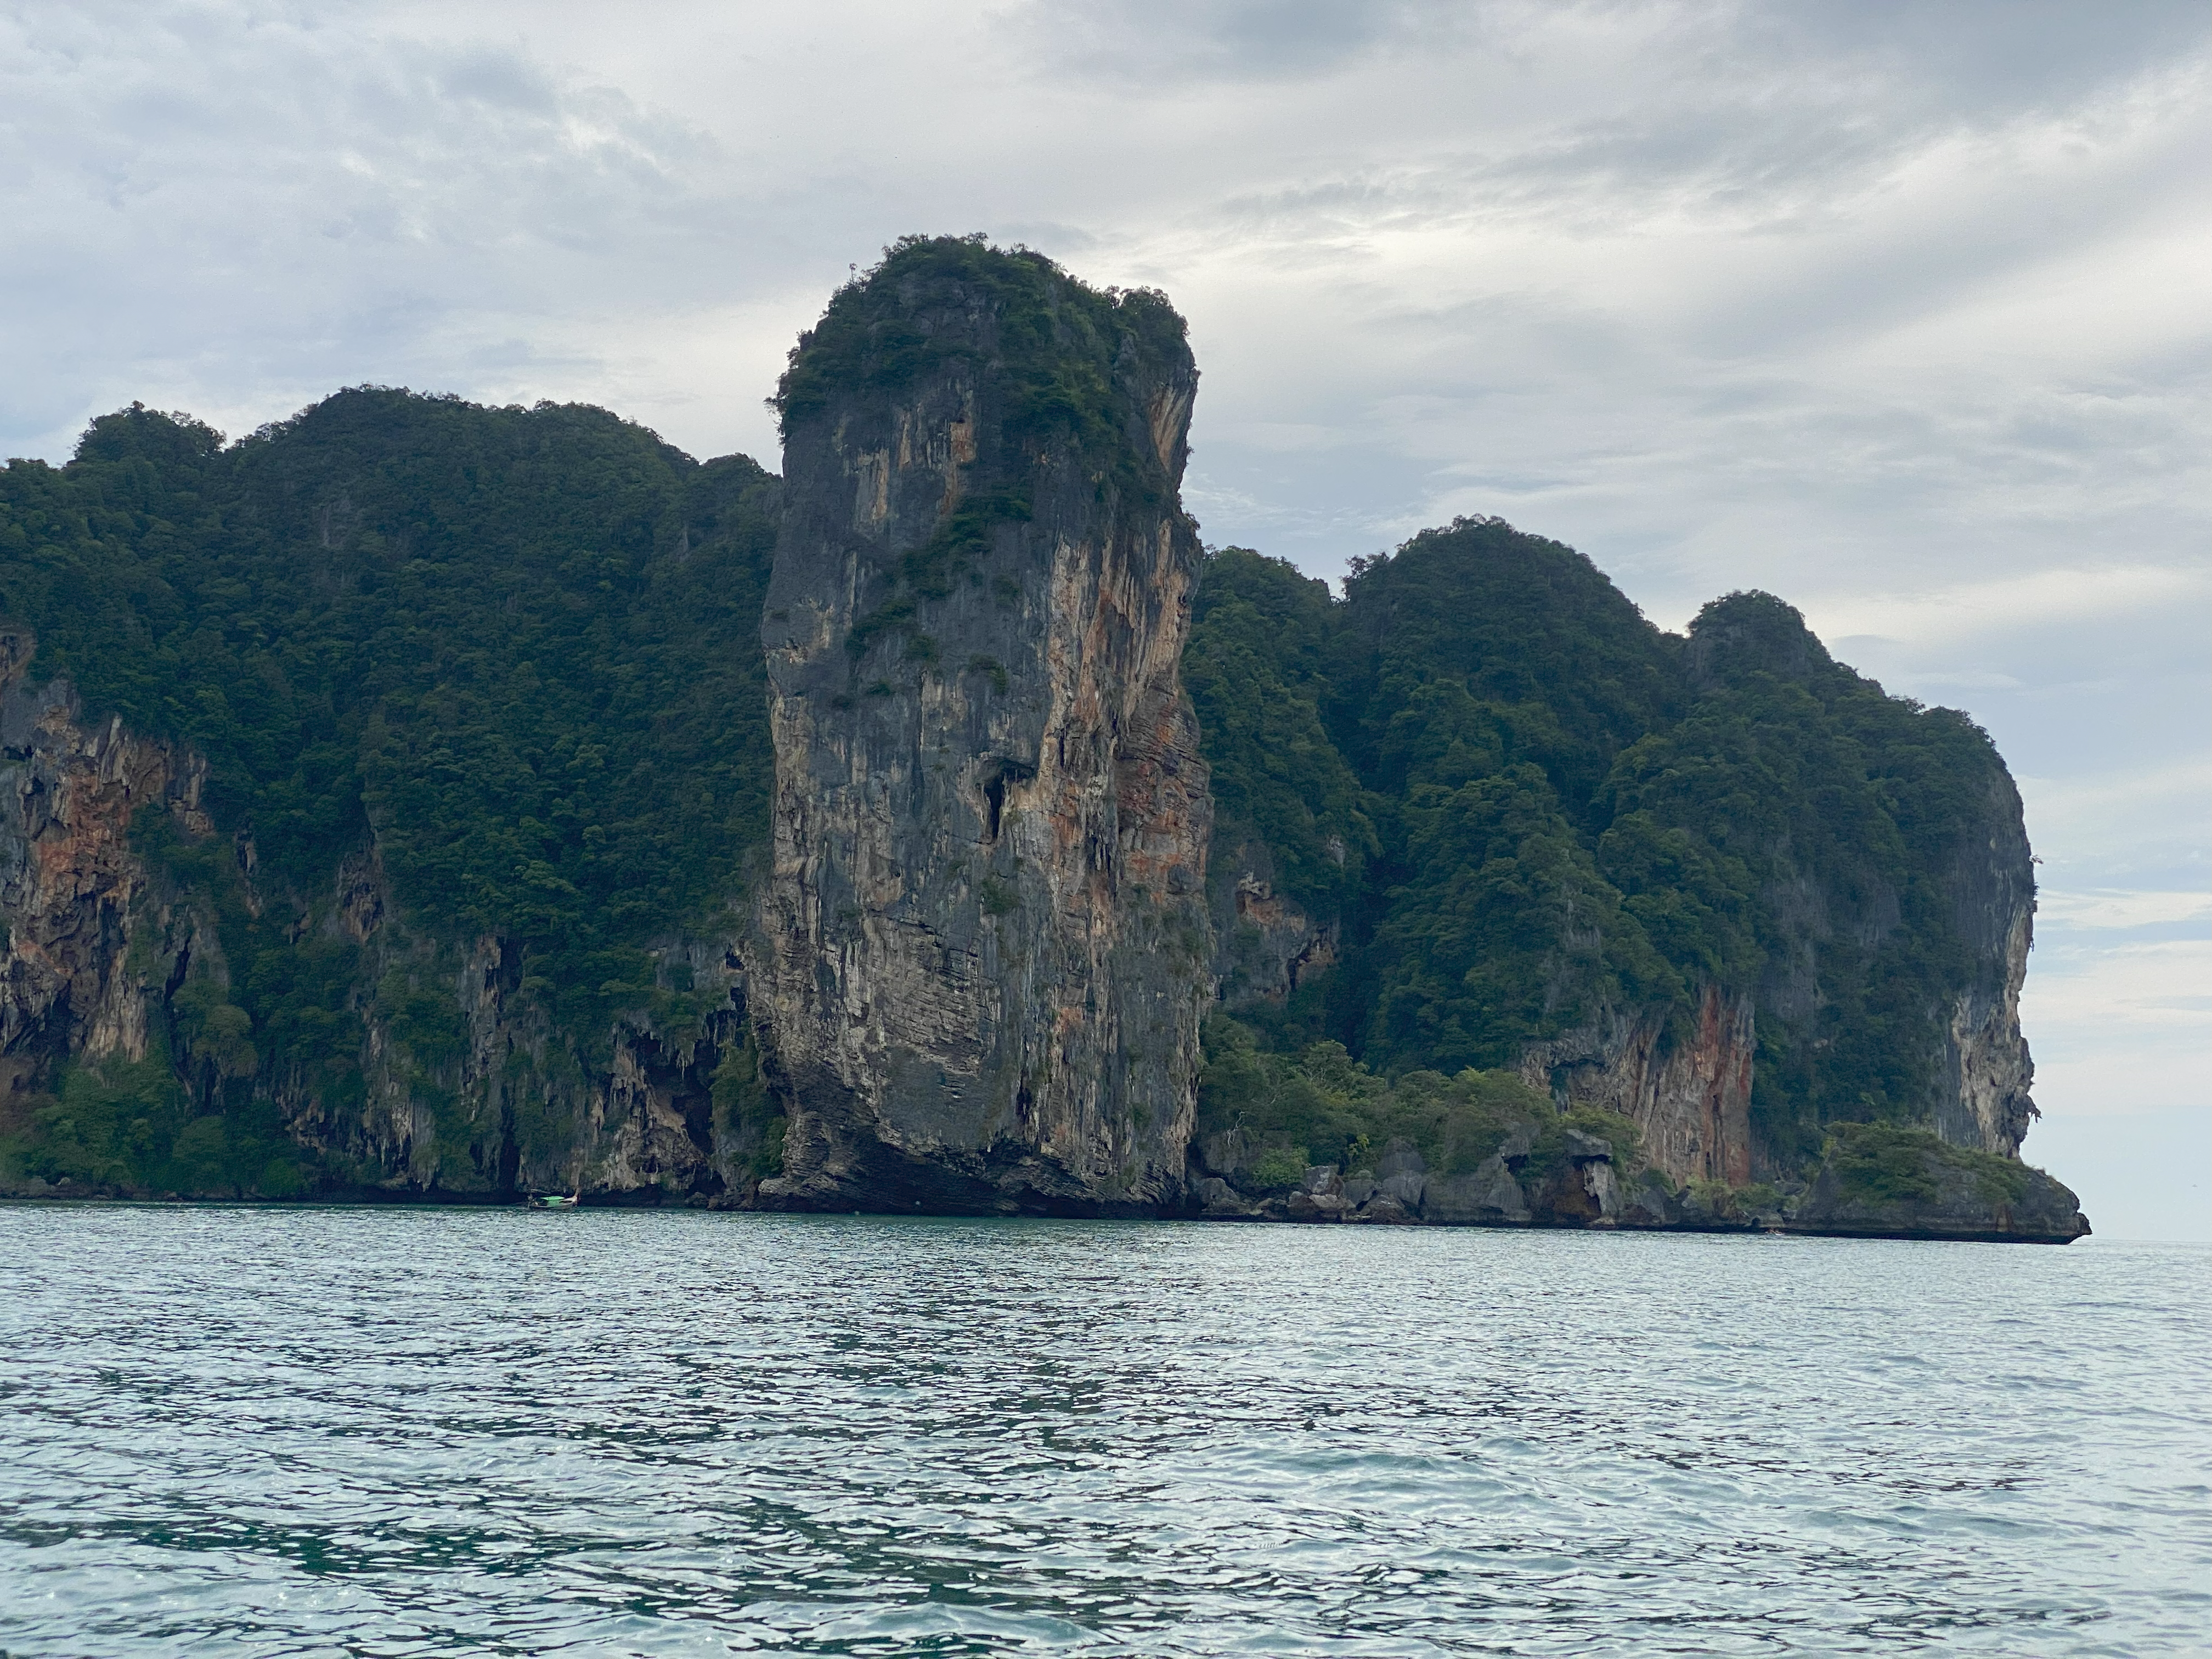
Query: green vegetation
522, 644
1884, 1163
1057, 351
746, 1116
119, 1124
1257, 669
516, 651
1320, 1106
1547, 810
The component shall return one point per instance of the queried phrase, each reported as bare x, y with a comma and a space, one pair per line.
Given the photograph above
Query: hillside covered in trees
1522, 809
515, 651
385, 798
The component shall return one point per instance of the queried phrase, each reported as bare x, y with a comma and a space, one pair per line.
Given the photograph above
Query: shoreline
371, 1200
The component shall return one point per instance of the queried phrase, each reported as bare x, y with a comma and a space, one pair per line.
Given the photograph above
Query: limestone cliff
1687, 1091
416, 799
986, 924
1984, 1100
110, 956
1717, 885
70, 886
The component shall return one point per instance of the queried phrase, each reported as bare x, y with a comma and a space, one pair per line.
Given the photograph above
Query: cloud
2118, 908
1149, 41
2106, 816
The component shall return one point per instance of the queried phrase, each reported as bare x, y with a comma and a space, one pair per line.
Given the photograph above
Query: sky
1897, 310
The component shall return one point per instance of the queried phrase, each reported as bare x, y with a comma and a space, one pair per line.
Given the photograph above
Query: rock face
1984, 1102
1265, 945
1691, 1100
70, 885
496, 1111
102, 954
985, 929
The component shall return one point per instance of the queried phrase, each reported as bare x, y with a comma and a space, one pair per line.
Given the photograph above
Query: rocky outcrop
972, 976
987, 933
102, 951
1984, 1100
1688, 1094
71, 884
1888, 1183
1874, 1181
1265, 945
1541, 1175
506, 1109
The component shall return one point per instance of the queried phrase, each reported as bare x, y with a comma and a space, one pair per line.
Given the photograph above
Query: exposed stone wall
92, 944
1265, 944
69, 883
1691, 1098
988, 934
1987, 1072
513, 1111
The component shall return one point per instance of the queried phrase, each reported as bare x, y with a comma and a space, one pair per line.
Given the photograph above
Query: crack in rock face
989, 944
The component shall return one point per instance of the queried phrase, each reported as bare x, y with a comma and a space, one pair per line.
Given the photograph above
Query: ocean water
391, 1431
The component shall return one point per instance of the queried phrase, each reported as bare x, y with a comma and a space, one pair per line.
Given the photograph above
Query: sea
370, 1431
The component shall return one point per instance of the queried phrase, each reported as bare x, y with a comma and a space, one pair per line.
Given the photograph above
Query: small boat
555, 1201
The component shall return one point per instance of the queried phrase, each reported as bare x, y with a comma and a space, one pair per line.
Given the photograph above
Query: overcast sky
1897, 310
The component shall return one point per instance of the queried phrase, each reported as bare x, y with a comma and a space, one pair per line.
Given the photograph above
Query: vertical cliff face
495, 1103
1984, 1100
987, 928
1687, 1091
107, 956
69, 883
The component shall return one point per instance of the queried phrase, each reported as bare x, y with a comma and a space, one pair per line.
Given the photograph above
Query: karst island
414, 800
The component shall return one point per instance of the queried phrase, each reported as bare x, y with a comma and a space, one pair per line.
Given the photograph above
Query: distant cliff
1480, 813
426, 801
986, 931
376, 796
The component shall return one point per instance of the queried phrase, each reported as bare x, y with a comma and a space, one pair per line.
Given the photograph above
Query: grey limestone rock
1385, 1210
986, 930
1406, 1189
1604, 1190
1580, 1146
1224, 1152
1489, 1196
1401, 1158
1218, 1201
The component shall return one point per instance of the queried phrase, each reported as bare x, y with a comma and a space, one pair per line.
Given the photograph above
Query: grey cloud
1168, 41
319, 202
1969, 52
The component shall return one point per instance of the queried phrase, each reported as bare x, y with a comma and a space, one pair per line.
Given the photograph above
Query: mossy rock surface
1884, 1180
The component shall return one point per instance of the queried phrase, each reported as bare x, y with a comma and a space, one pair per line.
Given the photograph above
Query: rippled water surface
409, 1432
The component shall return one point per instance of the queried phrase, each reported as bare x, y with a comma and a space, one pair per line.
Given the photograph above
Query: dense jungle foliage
1524, 805
1321, 1106
522, 643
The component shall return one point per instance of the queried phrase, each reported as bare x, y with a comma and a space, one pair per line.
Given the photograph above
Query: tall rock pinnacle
988, 939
